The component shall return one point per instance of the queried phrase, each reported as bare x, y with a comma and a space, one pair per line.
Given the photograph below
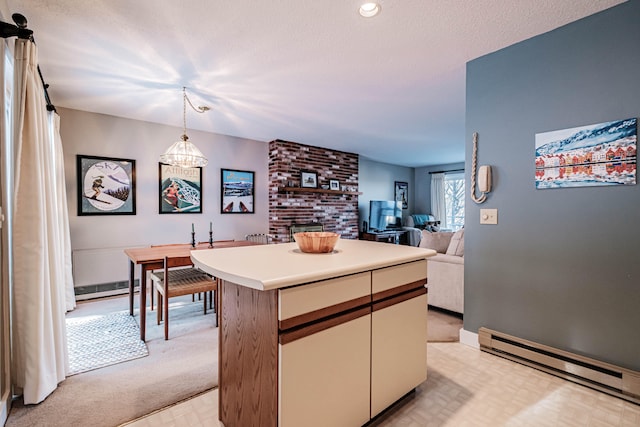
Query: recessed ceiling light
369, 10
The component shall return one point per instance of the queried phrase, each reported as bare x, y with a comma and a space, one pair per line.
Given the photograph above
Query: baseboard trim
469, 338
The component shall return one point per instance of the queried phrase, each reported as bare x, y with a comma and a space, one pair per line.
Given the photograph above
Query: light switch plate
489, 216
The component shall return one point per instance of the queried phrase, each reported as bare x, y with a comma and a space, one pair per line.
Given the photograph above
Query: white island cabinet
318, 339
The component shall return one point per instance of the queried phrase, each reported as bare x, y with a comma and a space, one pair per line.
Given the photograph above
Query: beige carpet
182, 367
443, 326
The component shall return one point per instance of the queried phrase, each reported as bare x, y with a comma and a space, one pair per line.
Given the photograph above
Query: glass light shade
184, 154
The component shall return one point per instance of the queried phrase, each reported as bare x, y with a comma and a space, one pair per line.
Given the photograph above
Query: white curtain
41, 269
438, 208
62, 213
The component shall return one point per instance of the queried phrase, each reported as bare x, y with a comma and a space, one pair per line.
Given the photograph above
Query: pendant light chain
183, 153
184, 114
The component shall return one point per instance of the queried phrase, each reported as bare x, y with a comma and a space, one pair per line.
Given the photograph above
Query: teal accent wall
562, 267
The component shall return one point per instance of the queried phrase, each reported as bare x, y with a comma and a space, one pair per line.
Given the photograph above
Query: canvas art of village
594, 155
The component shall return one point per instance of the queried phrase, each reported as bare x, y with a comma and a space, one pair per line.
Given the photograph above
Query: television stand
397, 237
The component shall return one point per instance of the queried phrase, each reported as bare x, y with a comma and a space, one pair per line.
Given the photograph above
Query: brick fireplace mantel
336, 209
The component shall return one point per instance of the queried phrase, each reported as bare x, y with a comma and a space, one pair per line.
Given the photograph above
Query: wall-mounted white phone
484, 179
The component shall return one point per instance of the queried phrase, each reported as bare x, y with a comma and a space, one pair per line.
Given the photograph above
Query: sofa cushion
449, 259
456, 245
439, 241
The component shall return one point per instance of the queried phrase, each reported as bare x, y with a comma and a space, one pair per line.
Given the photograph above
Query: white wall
4, 12
101, 135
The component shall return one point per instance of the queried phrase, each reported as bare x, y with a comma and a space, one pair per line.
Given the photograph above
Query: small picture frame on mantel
308, 179
334, 184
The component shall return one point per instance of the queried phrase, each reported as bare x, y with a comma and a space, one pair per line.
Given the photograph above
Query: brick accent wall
338, 212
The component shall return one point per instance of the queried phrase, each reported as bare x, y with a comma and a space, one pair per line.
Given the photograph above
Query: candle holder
211, 239
193, 239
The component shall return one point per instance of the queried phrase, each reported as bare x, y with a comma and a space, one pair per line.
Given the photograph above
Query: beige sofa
445, 271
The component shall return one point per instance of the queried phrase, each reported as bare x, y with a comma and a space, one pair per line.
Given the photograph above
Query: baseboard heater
605, 377
103, 290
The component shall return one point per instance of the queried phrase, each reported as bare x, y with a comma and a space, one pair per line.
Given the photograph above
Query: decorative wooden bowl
316, 242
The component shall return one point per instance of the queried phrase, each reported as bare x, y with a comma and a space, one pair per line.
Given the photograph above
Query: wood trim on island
248, 356
313, 328
400, 289
397, 299
316, 315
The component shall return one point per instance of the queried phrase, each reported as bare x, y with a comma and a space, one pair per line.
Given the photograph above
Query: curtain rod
21, 31
449, 171
50, 106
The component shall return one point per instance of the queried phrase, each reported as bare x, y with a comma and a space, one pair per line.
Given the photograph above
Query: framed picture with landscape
106, 185
237, 191
180, 189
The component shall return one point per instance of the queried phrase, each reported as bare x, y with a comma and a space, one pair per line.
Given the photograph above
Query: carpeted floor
174, 370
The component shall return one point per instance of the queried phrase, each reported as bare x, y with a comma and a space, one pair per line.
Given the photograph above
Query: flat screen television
385, 215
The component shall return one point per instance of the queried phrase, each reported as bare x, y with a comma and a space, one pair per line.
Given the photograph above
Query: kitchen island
318, 339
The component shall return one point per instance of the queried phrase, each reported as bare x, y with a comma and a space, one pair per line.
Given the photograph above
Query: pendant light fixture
183, 153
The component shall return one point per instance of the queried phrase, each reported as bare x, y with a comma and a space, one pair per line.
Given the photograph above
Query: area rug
443, 326
96, 341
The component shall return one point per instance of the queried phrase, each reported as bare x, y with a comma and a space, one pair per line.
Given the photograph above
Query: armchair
423, 222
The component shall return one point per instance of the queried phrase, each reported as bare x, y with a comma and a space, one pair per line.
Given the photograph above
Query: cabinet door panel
325, 377
398, 351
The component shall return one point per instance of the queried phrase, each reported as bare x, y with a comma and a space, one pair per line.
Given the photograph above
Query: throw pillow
439, 242
456, 246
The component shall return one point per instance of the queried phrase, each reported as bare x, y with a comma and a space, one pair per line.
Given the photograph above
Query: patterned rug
98, 341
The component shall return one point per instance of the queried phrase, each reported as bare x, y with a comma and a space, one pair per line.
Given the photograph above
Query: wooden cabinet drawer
398, 275
301, 304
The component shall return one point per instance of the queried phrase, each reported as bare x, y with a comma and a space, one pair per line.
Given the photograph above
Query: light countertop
267, 267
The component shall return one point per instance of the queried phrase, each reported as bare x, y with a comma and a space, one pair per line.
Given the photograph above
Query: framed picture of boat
237, 191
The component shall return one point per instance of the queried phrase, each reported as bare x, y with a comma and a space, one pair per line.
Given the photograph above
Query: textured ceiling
391, 88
